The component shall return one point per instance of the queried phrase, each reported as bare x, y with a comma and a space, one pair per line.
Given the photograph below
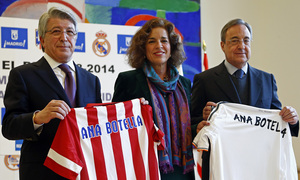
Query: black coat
31, 87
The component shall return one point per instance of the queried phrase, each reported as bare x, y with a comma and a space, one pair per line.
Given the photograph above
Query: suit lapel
142, 83
47, 75
225, 83
255, 86
81, 79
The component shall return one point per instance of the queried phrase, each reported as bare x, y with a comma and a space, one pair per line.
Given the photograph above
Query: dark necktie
70, 86
239, 73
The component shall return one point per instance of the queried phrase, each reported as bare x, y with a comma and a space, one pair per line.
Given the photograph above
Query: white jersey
115, 141
247, 143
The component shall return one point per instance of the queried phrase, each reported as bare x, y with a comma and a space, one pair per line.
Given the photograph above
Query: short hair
54, 12
233, 23
137, 50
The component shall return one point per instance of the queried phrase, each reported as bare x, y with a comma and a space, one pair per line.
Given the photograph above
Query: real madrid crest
12, 162
101, 46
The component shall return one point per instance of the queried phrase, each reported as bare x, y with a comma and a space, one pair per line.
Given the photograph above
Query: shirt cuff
37, 127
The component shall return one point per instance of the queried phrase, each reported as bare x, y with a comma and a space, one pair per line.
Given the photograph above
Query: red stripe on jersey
137, 157
152, 159
116, 144
99, 160
199, 170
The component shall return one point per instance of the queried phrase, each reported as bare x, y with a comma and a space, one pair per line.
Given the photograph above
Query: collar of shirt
231, 69
53, 64
58, 72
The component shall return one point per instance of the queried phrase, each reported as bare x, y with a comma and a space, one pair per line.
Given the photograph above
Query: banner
100, 49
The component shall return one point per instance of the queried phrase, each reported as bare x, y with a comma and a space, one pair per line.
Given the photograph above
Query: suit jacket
31, 87
215, 85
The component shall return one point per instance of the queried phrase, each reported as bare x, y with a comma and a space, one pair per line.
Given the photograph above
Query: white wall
276, 39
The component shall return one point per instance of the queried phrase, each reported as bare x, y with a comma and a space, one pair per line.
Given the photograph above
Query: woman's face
158, 48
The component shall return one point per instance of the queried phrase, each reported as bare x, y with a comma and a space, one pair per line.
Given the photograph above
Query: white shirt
60, 74
231, 69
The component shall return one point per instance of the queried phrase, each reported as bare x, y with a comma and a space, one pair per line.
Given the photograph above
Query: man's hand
289, 114
202, 124
207, 109
54, 109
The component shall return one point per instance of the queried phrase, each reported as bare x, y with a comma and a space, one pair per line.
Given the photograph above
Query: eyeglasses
234, 42
57, 32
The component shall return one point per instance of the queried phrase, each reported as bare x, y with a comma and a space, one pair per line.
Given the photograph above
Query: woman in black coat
156, 51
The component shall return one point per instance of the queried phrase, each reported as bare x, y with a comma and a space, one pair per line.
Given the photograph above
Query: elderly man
40, 94
234, 80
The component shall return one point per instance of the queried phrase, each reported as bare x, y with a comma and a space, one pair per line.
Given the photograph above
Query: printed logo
37, 39
80, 43
101, 46
123, 43
2, 114
15, 38
12, 162
18, 145
14, 35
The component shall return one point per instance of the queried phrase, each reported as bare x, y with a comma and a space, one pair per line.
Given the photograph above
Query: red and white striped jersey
111, 141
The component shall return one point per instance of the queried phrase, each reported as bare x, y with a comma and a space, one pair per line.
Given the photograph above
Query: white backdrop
19, 45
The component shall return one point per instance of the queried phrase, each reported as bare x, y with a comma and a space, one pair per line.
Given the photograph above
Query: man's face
59, 46
237, 47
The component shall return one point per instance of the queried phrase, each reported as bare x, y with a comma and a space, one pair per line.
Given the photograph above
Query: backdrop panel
100, 49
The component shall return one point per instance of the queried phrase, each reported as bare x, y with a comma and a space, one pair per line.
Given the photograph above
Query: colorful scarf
173, 118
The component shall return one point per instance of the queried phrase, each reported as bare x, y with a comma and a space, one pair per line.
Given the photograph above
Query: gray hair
54, 12
233, 23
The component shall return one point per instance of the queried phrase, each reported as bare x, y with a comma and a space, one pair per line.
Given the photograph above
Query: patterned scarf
173, 118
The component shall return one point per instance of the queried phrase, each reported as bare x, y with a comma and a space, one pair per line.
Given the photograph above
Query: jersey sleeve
201, 142
63, 157
152, 129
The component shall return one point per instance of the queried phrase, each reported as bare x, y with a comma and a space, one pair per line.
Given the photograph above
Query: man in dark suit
224, 83
35, 99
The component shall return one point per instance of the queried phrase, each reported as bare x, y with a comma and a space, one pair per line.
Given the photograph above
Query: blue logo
2, 114
123, 43
18, 145
37, 39
15, 38
80, 43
